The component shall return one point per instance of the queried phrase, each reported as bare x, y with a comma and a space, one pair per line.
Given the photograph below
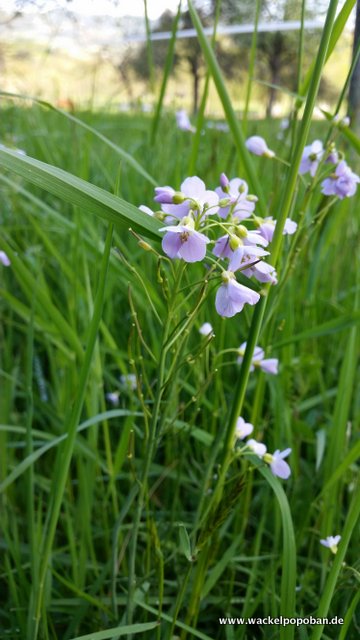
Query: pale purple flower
262, 271
333, 157
222, 247
182, 241
245, 255
331, 542
258, 146
206, 329
164, 195
183, 122
311, 157
197, 198
224, 183
243, 428
4, 259
277, 464
232, 296
113, 398
268, 365
342, 183
256, 447
267, 228
129, 381
236, 192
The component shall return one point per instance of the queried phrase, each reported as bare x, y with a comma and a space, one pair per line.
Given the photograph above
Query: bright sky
97, 7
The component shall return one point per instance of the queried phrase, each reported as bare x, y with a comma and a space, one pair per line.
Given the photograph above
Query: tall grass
138, 519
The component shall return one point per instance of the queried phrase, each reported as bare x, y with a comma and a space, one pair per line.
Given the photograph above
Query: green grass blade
65, 455
336, 32
167, 69
233, 123
117, 632
118, 150
78, 192
332, 580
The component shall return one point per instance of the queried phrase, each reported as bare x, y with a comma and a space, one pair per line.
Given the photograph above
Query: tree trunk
275, 80
196, 82
354, 92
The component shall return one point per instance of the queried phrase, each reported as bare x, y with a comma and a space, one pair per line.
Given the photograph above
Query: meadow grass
136, 519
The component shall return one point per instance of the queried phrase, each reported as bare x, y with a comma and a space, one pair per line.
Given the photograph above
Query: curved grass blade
78, 192
35, 455
123, 154
288, 577
116, 632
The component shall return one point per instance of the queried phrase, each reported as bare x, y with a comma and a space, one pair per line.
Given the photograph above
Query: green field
133, 515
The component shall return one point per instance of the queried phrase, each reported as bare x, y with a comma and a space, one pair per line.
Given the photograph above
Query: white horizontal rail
233, 29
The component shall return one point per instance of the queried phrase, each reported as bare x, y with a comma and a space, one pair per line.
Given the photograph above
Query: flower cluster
275, 460
197, 218
342, 182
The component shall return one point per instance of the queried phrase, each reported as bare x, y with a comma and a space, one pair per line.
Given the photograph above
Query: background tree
354, 93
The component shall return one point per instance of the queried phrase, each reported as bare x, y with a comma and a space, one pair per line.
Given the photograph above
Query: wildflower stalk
160, 388
257, 321
65, 454
285, 207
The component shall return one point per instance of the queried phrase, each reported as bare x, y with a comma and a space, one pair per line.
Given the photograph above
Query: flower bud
227, 276
145, 245
224, 202
178, 198
224, 183
234, 243
241, 231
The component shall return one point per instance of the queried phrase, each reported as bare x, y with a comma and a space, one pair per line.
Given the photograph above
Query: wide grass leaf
79, 192
116, 632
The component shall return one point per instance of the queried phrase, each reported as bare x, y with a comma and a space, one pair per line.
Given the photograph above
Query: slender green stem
150, 451
65, 454
251, 67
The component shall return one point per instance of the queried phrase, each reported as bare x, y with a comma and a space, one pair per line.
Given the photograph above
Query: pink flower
232, 296
182, 241
183, 122
331, 542
311, 157
269, 365
243, 428
267, 228
256, 447
196, 197
113, 398
206, 329
343, 183
4, 259
236, 192
277, 464
258, 146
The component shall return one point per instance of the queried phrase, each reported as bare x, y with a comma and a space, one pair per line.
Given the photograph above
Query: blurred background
94, 54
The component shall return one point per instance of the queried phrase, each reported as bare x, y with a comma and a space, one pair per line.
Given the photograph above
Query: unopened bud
224, 183
241, 231
160, 215
234, 243
224, 202
178, 197
145, 245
